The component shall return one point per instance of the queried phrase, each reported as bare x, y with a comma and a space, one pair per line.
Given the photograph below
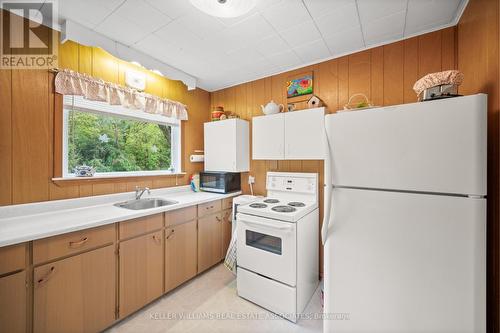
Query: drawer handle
157, 239
47, 276
218, 219
171, 234
209, 207
79, 243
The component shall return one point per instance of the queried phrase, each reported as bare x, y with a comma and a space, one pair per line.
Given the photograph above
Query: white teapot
272, 108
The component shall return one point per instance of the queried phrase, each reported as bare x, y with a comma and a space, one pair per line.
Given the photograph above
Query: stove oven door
267, 247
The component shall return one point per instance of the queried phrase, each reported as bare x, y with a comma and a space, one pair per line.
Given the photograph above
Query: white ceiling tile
425, 14
271, 45
252, 29
312, 51
345, 17
263, 4
226, 41
171, 8
300, 33
245, 56
176, 34
200, 23
370, 10
286, 13
319, 8
89, 13
242, 35
260, 67
157, 47
284, 60
390, 27
346, 41
231, 21
121, 30
142, 14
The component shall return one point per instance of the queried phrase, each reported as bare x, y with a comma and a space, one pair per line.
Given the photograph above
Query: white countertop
27, 222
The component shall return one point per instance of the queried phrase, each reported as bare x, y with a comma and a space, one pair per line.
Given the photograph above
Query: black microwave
220, 182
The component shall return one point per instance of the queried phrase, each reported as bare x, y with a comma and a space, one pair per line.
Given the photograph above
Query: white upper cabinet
305, 134
268, 137
227, 146
297, 135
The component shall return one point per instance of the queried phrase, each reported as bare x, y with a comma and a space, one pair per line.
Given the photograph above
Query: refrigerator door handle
328, 188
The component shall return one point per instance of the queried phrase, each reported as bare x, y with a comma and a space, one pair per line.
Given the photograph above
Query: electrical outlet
251, 180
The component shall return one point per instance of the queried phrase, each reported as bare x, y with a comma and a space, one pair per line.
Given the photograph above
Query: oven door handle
260, 224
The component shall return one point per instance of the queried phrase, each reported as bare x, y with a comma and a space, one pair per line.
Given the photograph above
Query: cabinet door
209, 241
76, 294
268, 135
305, 135
220, 146
226, 230
180, 254
13, 303
141, 272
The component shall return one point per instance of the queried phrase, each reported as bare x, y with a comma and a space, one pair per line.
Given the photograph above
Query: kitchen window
118, 141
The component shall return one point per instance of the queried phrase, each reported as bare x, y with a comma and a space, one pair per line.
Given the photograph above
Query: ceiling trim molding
83, 35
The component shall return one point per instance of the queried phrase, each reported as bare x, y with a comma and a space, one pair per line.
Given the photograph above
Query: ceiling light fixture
224, 8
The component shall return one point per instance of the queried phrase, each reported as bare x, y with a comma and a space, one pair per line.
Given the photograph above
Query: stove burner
271, 201
296, 204
258, 205
284, 209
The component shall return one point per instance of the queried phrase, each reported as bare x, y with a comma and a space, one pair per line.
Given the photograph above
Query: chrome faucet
140, 191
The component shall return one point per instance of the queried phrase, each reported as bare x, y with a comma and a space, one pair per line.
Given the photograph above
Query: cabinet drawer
179, 216
209, 208
58, 246
12, 258
227, 203
140, 226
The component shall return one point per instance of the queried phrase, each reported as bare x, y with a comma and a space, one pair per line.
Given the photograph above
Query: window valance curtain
69, 82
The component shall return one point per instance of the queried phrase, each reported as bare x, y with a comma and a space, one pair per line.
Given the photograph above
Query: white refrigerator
405, 218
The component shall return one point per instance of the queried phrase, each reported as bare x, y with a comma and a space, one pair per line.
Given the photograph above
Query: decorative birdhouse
314, 102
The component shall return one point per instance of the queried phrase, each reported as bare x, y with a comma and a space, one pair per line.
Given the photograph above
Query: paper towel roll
197, 158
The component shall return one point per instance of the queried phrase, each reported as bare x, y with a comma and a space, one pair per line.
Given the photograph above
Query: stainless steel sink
145, 203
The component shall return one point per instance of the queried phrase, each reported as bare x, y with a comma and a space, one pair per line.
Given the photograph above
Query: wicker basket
365, 104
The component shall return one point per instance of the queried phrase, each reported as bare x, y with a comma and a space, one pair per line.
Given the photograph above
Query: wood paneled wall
30, 111
478, 56
384, 74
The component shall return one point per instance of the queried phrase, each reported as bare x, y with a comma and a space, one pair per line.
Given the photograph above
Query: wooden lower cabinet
13, 303
226, 230
76, 294
180, 254
209, 241
141, 272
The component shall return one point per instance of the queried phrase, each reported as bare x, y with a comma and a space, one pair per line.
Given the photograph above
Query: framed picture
299, 85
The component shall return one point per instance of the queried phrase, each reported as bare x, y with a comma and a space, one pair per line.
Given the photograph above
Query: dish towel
230, 261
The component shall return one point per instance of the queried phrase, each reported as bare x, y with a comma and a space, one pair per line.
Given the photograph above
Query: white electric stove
277, 244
